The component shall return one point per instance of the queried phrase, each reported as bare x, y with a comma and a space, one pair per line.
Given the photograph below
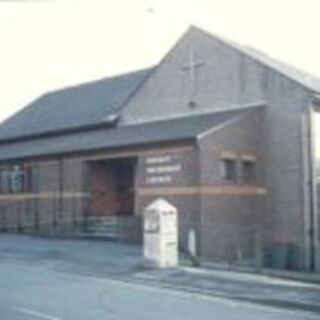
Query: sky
49, 44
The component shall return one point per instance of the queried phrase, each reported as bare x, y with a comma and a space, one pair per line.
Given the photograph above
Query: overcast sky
48, 44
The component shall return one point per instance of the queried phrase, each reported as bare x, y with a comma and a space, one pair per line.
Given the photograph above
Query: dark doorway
125, 174
111, 184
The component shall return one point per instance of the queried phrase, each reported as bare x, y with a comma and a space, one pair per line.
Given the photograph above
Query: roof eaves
62, 131
90, 150
207, 111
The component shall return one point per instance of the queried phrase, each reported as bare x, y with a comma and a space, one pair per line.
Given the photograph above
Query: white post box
161, 234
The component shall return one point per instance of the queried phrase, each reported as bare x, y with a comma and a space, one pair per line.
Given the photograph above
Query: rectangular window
1, 182
4, 180
33, 177
17, 179
248, 171
228, 169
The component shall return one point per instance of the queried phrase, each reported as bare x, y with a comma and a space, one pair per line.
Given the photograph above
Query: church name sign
161, 169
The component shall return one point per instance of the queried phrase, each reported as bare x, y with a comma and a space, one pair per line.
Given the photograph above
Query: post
161, 234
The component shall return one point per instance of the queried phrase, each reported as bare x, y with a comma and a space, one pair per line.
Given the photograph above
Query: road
38, 292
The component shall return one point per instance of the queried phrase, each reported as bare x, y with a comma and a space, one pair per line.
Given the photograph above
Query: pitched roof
99, 103
304, 78
177, 129
84, 105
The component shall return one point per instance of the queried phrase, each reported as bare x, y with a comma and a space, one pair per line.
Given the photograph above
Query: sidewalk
71, 255
242, 286
283, 274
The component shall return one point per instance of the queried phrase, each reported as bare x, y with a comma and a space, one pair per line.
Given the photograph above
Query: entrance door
112, 187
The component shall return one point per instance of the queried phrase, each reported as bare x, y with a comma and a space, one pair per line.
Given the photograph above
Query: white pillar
161, 234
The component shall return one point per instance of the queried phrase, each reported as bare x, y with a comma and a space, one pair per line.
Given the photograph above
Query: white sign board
161, 234
162, 169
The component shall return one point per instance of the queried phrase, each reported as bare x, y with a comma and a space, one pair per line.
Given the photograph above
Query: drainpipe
60, 191
312, 232
199, 244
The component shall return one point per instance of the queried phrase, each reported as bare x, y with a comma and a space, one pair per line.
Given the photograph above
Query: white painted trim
36, 314
206, 111
223, 125
305, 137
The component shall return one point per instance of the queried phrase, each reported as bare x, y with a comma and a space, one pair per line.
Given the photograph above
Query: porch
110, 212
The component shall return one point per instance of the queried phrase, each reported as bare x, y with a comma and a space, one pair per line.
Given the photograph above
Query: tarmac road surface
35, 293
52, 279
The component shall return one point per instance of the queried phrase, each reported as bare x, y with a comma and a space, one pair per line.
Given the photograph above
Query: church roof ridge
304, 78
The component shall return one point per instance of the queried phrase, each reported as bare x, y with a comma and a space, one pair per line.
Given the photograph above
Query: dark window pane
17, 179
34, 177
228, 170
5, 174
248, 171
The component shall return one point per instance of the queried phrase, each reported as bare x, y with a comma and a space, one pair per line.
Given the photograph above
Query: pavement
75, 255
50, 279
275, 292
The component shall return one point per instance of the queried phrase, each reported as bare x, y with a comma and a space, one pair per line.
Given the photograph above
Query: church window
248, 171
4, 181
17, 179
228, 169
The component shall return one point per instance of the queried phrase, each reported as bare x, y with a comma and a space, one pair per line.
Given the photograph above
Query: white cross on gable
192, 66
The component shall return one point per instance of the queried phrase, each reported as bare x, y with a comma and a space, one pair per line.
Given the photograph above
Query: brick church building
223, 132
